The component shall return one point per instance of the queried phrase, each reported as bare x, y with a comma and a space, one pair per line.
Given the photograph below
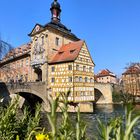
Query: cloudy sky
111, 28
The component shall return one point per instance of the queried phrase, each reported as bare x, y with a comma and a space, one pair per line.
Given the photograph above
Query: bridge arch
32, 97
103, 93
29, 99
98, 95
28, 91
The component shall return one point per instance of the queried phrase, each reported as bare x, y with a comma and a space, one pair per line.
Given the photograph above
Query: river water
104, 113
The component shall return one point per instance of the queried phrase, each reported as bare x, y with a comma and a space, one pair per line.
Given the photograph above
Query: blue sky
111, 28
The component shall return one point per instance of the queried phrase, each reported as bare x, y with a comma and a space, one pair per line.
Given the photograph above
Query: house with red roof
106, 76
131, 79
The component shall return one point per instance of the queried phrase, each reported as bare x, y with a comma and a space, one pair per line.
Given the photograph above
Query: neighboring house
106, 76
131, 79
57, 57
15, 65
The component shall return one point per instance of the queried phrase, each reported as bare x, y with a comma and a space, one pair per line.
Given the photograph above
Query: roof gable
105, 72
16, 52
61, 28
37, 28
134, 69
68, 52
88, 52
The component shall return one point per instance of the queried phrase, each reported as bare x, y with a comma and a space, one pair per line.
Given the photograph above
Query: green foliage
13, 126
52, 117
8, 126
66, 128
80, 128
25, 127
122, 97
116, 129
66, 131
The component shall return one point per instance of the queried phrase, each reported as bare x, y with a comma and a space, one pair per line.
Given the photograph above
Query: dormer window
61, 52
57, 41
71, 51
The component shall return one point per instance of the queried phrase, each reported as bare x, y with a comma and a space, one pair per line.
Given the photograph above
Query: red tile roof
17, 51
105, 72
68, 52
134, 69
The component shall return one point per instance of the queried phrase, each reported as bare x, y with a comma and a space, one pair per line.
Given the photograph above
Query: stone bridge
103, 93
33, 92
37, 91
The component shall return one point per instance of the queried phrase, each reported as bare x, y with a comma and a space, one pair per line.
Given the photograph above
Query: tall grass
67, 130
26, 127
119, 128
13, 125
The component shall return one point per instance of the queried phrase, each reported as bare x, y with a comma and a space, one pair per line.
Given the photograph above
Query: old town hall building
55, 56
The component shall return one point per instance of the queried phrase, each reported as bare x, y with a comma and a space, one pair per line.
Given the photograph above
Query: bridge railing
24, 85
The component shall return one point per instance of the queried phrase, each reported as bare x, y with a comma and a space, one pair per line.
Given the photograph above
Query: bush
12, 125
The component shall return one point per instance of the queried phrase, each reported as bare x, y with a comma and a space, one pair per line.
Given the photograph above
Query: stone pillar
43, 68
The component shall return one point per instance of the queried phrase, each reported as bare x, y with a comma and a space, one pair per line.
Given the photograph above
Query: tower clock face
37, 28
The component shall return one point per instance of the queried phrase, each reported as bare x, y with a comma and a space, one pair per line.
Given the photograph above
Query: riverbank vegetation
14, 126
121, 97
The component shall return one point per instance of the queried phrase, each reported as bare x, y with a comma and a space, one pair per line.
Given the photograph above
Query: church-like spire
55, 11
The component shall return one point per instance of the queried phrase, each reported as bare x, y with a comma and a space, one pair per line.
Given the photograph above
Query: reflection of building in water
106, 108
55, 56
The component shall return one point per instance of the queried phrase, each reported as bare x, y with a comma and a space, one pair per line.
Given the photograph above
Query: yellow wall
62, 76
84, 88
80, 90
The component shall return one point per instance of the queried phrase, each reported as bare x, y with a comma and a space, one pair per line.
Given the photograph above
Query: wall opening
38, 72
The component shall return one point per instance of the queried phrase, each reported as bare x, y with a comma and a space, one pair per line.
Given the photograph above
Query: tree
4, 49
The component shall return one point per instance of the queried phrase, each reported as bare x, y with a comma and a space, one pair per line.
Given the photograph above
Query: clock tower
46, 41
